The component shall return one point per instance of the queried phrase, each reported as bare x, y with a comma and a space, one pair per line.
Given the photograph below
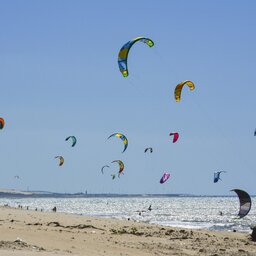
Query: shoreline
20, 194
28, 232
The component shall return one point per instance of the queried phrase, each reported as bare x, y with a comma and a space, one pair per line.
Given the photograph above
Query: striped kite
121, 166
122, 137
124, 51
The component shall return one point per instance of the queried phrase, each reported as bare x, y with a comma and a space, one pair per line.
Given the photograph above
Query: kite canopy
73, 138
175, 136
1, 123
245, 202
150, 150
165, 177
124, 51
178, 89
103, 168
61, 160
122, 137
121, 166
216, 176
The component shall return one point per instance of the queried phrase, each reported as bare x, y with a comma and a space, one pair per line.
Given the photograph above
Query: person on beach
54, 209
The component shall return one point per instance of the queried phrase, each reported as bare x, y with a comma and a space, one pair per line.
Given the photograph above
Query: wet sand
28, 233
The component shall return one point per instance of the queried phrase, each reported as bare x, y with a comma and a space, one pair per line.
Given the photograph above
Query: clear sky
59, 76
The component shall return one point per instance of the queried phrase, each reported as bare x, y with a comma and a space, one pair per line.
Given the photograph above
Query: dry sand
28, 233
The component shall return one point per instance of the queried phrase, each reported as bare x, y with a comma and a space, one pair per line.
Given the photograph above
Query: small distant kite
122, 137
123, 53
245, 202
73, 138
178, 89
61, 159
165, 177
121, 166
255, 132
175, 136
103, 168
216, 176
16, 177
150, 150
1, 123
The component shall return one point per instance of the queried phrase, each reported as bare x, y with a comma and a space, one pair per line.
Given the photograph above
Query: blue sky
59, 77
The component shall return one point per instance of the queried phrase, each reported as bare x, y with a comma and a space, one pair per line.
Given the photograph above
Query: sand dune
28, 233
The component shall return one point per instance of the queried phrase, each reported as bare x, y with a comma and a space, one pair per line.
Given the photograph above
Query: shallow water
186, 212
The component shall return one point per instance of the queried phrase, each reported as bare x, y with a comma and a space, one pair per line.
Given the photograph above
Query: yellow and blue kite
122, 137
123, 53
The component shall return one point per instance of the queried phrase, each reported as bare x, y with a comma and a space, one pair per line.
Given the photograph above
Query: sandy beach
28, 233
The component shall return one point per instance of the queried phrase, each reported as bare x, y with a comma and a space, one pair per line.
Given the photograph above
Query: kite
124, 51
1, 123
178, 89
103, 168
61, 160
122, 137
216, 177
73, 138
121, 166
165, 177
255, 132
245, 202
150, 150
175, 136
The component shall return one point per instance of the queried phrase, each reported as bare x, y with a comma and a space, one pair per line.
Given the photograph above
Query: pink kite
175, 136
165, 177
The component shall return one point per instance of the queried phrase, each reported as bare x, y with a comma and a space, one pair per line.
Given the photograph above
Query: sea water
213, 213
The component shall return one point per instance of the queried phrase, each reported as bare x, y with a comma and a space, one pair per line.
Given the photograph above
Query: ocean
181, 211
